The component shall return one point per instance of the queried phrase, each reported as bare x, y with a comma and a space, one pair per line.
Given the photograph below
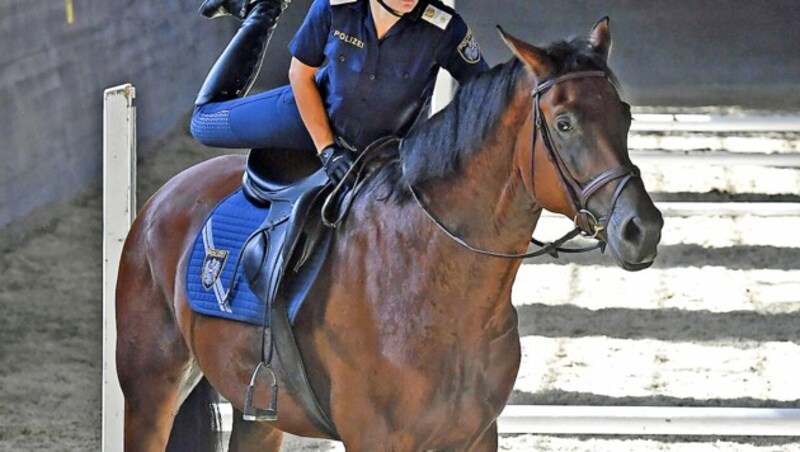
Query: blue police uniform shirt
372, 88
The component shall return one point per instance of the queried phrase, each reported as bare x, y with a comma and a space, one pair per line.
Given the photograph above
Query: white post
119, 208
443, 92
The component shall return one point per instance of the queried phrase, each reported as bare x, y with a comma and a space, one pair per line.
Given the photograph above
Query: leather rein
586, 223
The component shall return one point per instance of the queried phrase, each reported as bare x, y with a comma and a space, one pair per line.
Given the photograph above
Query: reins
579, 196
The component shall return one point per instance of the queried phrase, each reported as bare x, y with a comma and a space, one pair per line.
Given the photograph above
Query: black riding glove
337, 161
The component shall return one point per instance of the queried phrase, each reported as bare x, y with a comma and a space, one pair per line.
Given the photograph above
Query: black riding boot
236, 69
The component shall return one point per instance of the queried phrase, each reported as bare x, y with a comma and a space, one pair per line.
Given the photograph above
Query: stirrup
251, 412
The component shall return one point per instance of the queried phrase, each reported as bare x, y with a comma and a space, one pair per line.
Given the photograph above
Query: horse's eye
564, 125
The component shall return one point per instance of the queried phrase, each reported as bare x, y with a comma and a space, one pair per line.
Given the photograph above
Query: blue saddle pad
214, 254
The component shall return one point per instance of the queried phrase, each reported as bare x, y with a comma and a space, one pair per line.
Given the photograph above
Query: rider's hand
337, 161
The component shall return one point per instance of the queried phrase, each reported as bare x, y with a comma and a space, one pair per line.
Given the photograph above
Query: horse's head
574, 154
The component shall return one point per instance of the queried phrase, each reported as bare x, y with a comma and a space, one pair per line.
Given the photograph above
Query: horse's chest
454, 391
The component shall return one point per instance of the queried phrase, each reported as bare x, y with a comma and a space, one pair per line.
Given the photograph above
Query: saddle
282, 258
281, 261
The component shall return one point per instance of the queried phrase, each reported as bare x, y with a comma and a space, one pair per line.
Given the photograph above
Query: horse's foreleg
248, 436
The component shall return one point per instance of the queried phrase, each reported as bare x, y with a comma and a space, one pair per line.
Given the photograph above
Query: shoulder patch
436, 16
341, 2
469, 49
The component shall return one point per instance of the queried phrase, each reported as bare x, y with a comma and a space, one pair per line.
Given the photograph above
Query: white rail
729, 209
712, 123
119, 207
782, 160
628, 420
720, 209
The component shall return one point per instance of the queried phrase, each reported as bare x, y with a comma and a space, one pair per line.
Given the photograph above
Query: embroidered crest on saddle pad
210, 270
212, 267
212, 287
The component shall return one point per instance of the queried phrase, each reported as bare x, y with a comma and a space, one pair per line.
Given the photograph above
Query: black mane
439, 146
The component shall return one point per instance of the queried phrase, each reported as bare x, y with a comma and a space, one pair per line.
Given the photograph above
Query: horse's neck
488, 206
487, 202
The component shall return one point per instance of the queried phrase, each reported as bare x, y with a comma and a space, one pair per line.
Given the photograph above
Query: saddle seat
269, 173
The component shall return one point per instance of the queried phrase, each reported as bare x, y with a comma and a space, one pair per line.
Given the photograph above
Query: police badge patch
469, 49
212, 267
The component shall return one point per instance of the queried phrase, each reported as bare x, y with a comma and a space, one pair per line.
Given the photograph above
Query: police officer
360, 70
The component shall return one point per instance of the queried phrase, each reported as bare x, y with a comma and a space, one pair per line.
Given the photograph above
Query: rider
360, 70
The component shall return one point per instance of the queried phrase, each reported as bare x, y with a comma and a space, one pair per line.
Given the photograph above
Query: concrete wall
52, 77
52, 74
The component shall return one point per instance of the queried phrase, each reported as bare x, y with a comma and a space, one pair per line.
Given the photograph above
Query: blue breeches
265, 120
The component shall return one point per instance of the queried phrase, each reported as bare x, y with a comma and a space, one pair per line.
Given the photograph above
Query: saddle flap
267, 255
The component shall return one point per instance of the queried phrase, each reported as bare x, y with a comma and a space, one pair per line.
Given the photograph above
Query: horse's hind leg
153, 363
249, 436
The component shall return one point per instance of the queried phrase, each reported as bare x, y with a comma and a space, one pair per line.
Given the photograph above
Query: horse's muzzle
635, 229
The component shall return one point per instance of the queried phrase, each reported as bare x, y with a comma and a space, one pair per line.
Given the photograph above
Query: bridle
585, 222
578, 195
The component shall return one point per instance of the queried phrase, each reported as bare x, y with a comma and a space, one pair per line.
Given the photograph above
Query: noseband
586, 223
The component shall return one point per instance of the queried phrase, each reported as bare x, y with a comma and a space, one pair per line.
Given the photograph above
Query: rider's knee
210, 128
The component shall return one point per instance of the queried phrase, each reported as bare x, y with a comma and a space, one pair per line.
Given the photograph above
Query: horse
409, 336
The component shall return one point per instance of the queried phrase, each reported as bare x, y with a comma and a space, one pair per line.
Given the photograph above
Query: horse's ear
600, 38
531, 55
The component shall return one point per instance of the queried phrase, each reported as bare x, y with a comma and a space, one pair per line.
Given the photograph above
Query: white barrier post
443, 92
119, 208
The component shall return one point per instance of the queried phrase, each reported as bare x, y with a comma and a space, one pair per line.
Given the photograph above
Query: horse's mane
438, 147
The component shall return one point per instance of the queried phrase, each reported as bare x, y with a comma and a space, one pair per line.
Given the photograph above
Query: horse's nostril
633, 231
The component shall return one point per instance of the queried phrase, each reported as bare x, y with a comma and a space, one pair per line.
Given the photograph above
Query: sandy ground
714, 323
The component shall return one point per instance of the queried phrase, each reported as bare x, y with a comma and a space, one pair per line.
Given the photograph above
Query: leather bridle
586, 223
579, 194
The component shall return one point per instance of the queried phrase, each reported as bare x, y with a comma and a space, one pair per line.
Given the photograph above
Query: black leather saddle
281, 261
291, 186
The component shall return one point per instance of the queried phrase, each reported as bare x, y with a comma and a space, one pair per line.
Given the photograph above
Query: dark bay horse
409, 339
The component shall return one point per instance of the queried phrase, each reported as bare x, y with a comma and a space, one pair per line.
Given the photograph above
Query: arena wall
683, 53
54, 73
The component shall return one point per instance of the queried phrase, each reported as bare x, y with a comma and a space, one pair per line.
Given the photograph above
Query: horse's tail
197, 424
